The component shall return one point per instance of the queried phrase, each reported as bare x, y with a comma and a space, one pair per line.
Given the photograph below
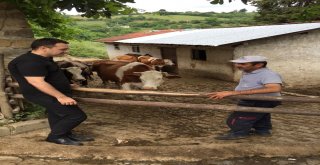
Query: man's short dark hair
47, 42
264, 63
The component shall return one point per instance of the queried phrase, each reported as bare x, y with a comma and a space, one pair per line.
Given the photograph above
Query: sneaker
231, 136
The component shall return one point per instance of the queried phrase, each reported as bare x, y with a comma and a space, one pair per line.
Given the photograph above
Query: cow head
76, 73
151, 80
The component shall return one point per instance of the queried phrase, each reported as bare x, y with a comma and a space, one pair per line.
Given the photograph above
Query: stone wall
15, 33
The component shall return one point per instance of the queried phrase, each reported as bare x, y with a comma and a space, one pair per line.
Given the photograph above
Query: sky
185, 5
189, 5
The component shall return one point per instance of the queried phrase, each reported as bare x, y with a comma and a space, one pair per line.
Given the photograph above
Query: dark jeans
241, 123
62, 118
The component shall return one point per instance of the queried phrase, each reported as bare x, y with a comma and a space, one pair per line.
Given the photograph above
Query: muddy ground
146, 135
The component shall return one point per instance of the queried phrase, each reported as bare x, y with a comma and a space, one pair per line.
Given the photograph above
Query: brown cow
127, 57
163, 65
129, 74
76, 71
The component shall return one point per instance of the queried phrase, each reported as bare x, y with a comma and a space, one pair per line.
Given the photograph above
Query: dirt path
140, 135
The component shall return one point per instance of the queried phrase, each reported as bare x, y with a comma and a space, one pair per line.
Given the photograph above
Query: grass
87, 49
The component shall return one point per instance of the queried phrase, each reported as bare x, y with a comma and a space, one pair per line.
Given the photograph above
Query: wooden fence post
6, 109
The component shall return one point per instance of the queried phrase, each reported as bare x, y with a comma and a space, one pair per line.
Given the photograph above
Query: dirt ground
144, 135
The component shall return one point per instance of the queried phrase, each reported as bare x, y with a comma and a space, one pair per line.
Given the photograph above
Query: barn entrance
169, 53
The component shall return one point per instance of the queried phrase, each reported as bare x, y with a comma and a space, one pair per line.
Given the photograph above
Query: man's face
247, 67
59, 49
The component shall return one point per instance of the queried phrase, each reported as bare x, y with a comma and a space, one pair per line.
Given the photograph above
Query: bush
87, 49
31, 112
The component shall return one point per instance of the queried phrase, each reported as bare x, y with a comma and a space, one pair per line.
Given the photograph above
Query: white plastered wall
124, 49
296, 57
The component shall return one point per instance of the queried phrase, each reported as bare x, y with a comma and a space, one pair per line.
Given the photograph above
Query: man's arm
42, 85
268, 88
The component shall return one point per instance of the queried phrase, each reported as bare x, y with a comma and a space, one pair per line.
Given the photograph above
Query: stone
27, 126
24, 32
4, 131
22, 43
5, 42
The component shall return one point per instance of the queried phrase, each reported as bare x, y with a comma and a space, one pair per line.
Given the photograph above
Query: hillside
82, 32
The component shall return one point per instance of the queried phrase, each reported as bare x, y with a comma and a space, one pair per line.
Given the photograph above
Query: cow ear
167, 75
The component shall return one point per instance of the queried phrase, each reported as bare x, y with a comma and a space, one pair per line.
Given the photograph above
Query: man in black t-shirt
42, 82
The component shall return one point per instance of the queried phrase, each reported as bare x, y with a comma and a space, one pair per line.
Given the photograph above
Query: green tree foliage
43, 14
222, 1
162, 12
285, 11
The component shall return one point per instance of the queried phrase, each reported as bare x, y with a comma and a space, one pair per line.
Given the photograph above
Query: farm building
292, 50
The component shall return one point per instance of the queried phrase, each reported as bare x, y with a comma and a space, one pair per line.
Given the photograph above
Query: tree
43, 13
162, 12
285, 11
222, 1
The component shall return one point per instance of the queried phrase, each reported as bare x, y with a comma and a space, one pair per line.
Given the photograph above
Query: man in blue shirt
256, 80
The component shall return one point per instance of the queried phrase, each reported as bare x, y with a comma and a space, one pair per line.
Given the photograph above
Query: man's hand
220, 95
64, 100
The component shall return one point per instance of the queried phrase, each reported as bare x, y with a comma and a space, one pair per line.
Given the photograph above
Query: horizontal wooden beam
174, 94
295, 111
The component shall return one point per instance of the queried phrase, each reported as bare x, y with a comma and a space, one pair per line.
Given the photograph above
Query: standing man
256, 80
42, 82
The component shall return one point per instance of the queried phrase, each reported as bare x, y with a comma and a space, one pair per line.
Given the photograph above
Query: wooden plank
231, 108
174, 94
295, 111
4, 104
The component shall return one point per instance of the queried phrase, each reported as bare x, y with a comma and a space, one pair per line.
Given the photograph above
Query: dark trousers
62, 118
242, 122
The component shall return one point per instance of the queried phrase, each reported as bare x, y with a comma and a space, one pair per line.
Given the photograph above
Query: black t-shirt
33, 65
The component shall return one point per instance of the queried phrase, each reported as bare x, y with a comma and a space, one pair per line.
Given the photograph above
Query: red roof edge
136, 35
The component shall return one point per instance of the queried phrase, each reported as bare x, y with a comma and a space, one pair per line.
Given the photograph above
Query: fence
10, 99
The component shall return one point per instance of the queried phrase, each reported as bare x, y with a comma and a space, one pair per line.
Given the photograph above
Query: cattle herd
127, 71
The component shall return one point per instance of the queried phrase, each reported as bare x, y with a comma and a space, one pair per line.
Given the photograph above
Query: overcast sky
185, 5
189, 5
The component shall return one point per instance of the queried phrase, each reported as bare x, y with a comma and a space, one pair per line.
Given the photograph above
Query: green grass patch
87, 49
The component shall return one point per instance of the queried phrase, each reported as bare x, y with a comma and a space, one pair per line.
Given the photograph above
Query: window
116, 46
135, 48
199, 55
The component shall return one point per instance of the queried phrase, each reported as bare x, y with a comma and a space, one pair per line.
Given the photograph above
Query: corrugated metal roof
221, 36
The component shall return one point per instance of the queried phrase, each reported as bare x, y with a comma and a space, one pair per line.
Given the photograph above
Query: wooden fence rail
295, 111
171, 94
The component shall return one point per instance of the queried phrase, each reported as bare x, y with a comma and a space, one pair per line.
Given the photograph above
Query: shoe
64, 141
263, 133
260, 133
231, 136
80, 138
